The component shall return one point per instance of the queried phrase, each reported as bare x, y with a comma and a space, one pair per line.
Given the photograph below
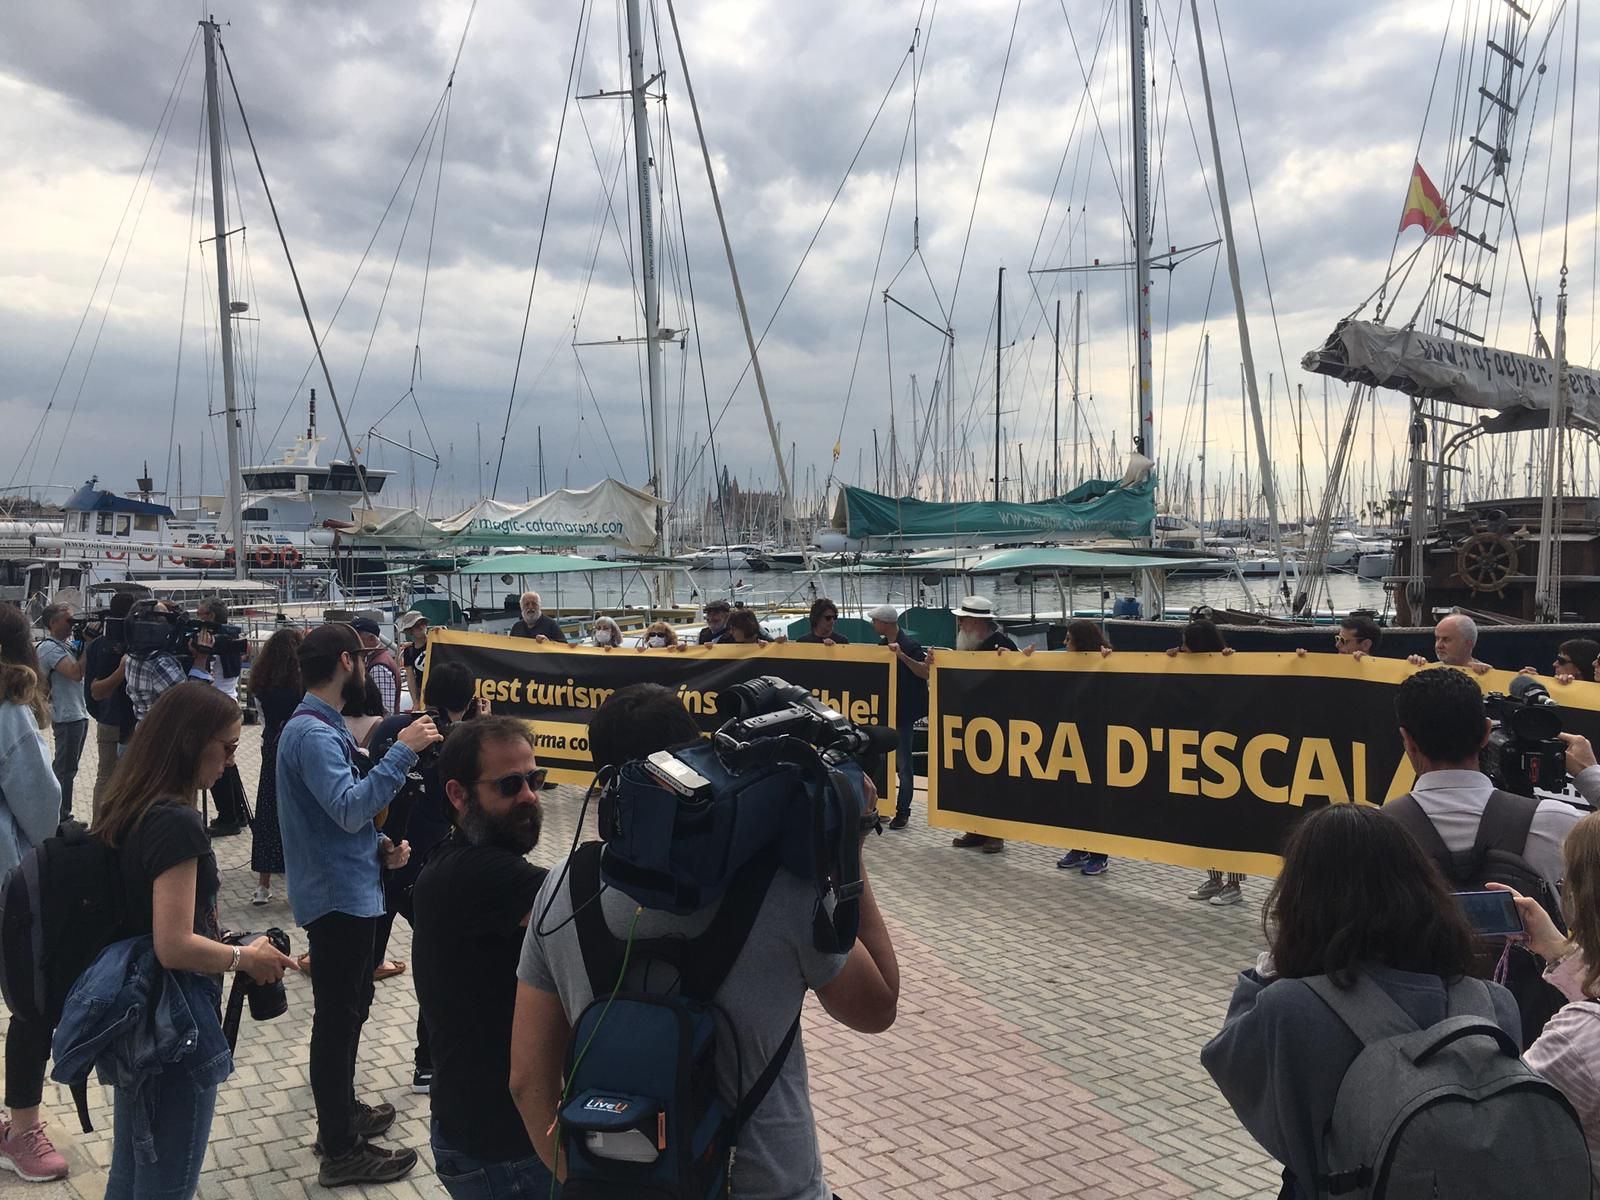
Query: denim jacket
130, 1019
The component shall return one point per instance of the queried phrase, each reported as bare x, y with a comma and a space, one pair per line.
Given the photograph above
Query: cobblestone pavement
1047, 1044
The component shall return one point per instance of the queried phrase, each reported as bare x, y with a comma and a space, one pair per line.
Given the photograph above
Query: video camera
1524, 750
150, 631
86, 627
783, 778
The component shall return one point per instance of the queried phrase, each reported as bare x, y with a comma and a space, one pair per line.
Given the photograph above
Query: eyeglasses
510, 786
230, 747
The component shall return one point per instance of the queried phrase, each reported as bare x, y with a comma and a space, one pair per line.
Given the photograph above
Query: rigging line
433, 222
424, 137
994, 117
1094, 109
538, 253
838, 191
609, 192
183, 71
294, 274
600, 417
1061, 167
183, 315
116, 282
1422, 132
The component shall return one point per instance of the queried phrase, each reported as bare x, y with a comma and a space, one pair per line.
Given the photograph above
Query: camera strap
838, 869
230, 1019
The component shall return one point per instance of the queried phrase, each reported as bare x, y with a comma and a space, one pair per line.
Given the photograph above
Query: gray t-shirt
66, 695
777, 1158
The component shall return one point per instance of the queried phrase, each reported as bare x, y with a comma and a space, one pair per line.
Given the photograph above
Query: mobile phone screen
1491, 914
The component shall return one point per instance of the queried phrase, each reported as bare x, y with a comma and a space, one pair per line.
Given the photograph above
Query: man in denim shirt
335, 855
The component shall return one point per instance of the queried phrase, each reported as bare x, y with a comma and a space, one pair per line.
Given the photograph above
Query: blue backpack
642, 1114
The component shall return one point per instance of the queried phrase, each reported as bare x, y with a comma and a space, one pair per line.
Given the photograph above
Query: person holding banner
977, 629
1084, 637
606, 633
660, 636
744, 629
535, 623
911, 698
1201, 636
1453, 640
1575, 660
716, 629
824, 613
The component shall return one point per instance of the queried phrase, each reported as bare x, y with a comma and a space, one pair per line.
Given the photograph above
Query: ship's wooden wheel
1486, 561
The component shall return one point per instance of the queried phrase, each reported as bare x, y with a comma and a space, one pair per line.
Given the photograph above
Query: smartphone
1491, 914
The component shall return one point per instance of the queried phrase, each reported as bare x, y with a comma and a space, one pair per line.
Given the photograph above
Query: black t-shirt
911, 690
838, 639
470, 902
421, 817
415, 659
170, 833
998, 641
116, 709
545, 626
710, 637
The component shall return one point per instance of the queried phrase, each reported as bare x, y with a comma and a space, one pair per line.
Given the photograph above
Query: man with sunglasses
471, 905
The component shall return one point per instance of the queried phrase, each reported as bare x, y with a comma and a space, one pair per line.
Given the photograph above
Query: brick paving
1047, 1043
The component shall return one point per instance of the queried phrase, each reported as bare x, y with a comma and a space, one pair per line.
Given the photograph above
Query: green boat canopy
540, 564
1097, 508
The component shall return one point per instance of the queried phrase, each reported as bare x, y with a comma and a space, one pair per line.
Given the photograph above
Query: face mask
602, 637
656, 641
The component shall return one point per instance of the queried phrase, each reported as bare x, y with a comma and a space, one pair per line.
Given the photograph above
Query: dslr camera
150, 631
783, 777
267, 1001
1524, 750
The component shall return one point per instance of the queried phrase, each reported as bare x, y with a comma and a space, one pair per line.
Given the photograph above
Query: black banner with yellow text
1202, 760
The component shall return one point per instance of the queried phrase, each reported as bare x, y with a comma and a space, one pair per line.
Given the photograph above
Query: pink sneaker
31, 1155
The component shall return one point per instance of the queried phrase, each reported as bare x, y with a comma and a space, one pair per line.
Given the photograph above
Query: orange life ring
175, 559
119, 555
291, 557
264, 556
146, 557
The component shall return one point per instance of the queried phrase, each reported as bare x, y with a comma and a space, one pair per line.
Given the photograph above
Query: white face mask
602, 637
656, 641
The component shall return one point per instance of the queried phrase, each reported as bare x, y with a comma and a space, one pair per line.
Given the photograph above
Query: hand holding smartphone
1492, 914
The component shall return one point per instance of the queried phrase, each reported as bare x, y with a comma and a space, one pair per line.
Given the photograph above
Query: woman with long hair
660, 636
1084, 637
170, 881
30, 808
606, 633
1567, 1053
1575, 660
1357, 903
275, 685
1201, 636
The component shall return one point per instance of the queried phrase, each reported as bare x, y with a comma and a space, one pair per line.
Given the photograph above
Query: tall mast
999, 303
231, 522
1055, 412
1263, 455
1205, 412
1077, 308
647, 263
1145, 435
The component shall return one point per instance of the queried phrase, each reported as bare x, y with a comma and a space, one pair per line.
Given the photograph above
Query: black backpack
642, 1113
59, 907
1496, 856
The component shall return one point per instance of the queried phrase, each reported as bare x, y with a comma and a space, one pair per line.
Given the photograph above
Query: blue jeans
182, 1125
902, 797
468, 1178
70, 737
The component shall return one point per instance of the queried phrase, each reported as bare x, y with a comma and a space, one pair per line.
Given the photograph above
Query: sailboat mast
1077, 308
999, 304
231, 522
1263, 455
1205, 415
1055, 412
1145, 435
647, 265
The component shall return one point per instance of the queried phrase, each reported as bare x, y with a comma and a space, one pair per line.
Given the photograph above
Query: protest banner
1202, 760
556, 688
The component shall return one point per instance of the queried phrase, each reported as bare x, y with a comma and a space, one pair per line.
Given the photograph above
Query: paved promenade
1047, 1044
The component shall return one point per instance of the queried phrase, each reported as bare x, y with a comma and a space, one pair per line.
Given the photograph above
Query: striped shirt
1568, 1052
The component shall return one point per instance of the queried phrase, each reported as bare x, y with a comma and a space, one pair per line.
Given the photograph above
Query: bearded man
471, 905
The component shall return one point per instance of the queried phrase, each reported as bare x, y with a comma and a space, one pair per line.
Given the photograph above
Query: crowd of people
368, 808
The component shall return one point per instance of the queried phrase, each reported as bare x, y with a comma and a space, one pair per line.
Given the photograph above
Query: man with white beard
976, 629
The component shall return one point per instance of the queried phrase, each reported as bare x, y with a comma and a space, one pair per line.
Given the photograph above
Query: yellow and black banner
557, 688
1202, 760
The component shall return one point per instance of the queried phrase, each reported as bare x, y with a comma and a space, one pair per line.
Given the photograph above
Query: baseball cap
717, 606
365, 625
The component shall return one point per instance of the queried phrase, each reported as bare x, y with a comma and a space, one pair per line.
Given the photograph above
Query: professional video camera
86, 627
149, 631
1524, 750
783, 777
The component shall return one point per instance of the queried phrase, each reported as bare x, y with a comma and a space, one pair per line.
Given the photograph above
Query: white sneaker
1229, 894
1207, 890
261, 897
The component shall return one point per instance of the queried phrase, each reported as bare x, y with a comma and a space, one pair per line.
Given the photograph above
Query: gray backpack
1449, 1111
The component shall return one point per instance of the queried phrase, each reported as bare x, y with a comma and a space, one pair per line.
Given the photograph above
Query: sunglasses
1563, 660
510, 786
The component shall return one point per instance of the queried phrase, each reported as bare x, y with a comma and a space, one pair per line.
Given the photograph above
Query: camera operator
61, 658
334, 857
150, 670
1443, 728
420, 815
777, 964
474, 898
104, 674
224, 670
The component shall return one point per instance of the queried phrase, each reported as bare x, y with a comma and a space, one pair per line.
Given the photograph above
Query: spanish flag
1424, 208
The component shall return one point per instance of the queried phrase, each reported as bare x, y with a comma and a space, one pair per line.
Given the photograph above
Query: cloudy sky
108, 296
